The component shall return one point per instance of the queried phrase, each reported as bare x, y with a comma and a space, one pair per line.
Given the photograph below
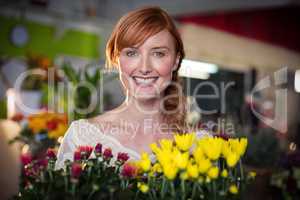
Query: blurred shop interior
233, 45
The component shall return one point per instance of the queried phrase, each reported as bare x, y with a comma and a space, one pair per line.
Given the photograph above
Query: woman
146, 48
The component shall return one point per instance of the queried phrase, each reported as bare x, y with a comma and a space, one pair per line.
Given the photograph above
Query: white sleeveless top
81, 133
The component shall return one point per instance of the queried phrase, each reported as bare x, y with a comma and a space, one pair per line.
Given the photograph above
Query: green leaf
71, 73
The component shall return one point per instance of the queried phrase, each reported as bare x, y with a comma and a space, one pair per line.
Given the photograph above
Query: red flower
77, 155
29, 171
98, 149
17, 117
85, 151
52, 125
26, 158
107, 154
51, 154
122, 157
76, 170
129, 170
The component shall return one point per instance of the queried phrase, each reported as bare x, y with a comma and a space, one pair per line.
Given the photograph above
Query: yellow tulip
156, 168
170, 171
252, 174
224, 173
192, 170
164, 157
207, 180
226, 150
145, 162
143, 187
213, 172
180, 159
243, 146
200, 179
184, 141
212, 147
184, 175
166, 144
238, 145
232, 159
154, 148
233, 189
204, 165
198, 154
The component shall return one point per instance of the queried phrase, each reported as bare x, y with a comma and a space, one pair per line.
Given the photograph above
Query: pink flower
107, 154
85, 151
129, 170
122, 157
76, 170
51, 154
26, 158
29, 172
77, 155
98, 149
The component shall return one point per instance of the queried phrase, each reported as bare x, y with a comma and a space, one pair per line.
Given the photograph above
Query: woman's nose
145, 67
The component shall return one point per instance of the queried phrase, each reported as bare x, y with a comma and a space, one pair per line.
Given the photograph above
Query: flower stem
214, 190
173, 190
66, 183
51, 175
194, 190
73, 190
241, 169
182, 189
136, 195
91, 194
163, 188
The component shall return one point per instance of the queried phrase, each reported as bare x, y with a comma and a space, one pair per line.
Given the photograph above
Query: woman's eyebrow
132, 47
161, 47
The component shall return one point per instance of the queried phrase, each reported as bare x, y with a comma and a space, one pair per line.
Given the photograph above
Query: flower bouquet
207, 168
41, 131
183, 168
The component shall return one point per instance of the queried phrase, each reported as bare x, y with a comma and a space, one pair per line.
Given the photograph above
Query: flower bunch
183, 168
53, 124
41, 131
190, 168
93, 174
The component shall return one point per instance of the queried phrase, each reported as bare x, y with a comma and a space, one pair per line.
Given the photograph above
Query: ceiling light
297, 81
196, 69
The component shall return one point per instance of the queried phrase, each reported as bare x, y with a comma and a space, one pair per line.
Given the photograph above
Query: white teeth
144, 81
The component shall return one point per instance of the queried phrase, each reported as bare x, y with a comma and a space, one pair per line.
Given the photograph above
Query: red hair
134, 29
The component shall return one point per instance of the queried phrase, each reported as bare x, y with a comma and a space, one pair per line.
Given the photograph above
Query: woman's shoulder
104, 122
84, 130
103, 125
98, 129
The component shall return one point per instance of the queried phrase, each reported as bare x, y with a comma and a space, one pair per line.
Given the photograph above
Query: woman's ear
176, 63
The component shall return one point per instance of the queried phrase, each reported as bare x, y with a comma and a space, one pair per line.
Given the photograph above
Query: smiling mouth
145, 81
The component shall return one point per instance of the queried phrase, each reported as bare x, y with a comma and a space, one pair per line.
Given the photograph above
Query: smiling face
146, 69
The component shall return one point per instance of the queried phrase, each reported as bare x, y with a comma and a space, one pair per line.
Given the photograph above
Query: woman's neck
139, 110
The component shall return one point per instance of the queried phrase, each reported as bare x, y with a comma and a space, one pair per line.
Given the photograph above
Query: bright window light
297, 81
196, 69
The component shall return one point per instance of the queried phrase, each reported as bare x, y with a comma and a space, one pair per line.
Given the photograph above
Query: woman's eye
159, 54
131, 53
